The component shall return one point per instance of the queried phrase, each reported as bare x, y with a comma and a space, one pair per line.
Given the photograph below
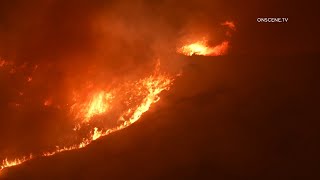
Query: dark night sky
252, 114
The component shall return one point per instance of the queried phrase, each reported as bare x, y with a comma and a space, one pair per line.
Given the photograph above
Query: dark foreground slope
225, 118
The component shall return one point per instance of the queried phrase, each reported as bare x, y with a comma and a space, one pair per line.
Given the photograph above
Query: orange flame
203, 49
131, 100
146, 90
6, 163
154, 85
98, 104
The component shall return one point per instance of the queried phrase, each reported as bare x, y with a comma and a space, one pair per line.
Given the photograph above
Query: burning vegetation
127, 102
100, 110
202, 47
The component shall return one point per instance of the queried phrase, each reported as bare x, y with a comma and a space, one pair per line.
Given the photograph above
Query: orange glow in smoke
230, 25
2, 63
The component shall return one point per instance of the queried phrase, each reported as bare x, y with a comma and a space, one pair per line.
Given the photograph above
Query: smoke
75, 44
120, 35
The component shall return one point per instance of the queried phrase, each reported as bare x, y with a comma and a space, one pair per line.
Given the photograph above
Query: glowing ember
29, 79
203, 49
48, 102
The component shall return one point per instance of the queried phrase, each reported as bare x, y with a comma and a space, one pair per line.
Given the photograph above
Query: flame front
138, 97
147, 90
6, 163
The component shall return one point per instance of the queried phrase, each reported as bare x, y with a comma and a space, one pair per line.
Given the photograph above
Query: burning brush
124, 103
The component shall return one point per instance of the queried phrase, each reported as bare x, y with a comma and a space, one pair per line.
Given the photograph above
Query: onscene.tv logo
272, 19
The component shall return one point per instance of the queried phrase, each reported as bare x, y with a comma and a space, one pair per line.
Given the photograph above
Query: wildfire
99, 103
138, 96
154, 86
120, 105
147, 90
6, 163
202, 48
